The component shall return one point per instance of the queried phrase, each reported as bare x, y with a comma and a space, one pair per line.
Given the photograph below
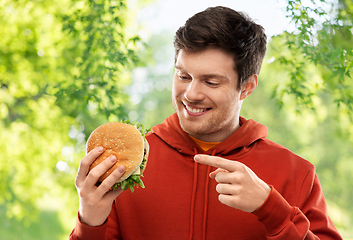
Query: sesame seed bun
122, 140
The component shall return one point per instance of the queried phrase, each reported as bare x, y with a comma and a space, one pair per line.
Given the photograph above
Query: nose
193, 92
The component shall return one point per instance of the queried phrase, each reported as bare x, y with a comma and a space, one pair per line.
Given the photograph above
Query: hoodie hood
249, 132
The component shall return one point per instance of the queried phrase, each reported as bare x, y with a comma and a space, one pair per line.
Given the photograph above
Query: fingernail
121, 168
112, 159
100, 149
197, 158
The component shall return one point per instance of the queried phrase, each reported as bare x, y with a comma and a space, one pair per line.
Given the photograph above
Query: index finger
86, 162
217, 162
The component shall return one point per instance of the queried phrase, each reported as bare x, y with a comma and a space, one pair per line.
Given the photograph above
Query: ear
249, 87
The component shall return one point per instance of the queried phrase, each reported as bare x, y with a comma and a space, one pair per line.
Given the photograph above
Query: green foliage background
63, 68
66, 67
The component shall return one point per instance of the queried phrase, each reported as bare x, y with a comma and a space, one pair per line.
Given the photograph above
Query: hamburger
127, 143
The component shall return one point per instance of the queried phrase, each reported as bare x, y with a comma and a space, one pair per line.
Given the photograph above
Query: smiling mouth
195, 110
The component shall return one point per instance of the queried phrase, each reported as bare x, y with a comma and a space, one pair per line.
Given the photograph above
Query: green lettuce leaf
135, 179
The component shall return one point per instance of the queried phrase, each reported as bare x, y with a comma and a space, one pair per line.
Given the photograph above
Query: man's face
205, 95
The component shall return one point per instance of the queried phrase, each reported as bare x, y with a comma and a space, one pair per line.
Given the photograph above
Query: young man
211, 174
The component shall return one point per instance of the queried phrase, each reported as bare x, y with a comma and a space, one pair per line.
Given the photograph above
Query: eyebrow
211, 75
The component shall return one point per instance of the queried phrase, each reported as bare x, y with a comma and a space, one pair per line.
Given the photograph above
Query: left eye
212, 84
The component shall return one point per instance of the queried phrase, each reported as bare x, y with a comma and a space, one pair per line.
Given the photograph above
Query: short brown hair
226, 29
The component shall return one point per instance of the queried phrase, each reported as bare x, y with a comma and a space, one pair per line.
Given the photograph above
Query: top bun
122, 140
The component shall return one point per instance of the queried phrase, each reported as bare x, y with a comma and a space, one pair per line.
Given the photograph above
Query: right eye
183, 77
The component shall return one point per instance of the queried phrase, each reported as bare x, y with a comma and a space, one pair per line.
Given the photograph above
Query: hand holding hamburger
107, 170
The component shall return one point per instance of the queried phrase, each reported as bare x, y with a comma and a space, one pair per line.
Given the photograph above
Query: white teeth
195, 110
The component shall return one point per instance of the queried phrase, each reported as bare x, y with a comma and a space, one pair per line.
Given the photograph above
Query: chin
194, 128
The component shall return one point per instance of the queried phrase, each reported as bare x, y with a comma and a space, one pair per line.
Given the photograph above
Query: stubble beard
195, 128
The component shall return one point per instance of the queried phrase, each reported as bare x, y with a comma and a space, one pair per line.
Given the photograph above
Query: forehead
206, 61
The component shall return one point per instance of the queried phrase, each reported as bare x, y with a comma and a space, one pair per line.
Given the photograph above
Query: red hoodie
180, 200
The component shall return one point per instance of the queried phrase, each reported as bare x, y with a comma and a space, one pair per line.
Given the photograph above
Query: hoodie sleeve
85, 232
108, 230
308, 220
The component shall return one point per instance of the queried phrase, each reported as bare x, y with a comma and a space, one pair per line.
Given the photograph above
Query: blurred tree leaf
323, 37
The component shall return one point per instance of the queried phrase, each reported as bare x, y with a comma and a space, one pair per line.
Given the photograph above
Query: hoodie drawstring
193, 198
204, 225
206, 204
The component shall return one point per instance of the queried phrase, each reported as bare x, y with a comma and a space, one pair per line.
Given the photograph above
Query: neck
218, 136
